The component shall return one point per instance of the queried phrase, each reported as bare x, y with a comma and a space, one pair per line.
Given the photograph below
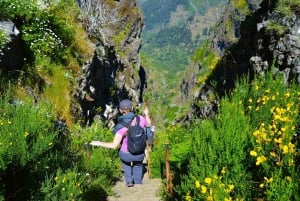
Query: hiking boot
130, 184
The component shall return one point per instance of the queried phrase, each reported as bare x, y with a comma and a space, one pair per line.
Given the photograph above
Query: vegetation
285, 8
247, 151
42, 160
45, 30
41, 157
3, 39
170, 46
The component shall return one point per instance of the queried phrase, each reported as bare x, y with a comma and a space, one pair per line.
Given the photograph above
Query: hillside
172, 32
173, 29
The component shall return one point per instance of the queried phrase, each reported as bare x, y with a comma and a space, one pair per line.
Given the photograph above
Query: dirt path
148, 191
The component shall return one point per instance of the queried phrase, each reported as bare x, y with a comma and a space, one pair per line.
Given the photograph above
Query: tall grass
40, 159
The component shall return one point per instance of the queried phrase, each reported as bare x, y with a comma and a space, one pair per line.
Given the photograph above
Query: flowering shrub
275, 139
246, 152
27, 139
55, 164
69, 185
44, 27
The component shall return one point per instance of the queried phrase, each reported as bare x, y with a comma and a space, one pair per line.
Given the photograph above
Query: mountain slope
173, 29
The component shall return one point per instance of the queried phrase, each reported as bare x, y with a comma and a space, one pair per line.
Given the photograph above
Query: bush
28, 139
248, 151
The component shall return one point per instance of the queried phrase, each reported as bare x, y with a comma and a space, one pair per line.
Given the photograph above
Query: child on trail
132, 163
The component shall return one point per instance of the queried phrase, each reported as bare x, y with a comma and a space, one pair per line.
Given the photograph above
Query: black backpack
136, 142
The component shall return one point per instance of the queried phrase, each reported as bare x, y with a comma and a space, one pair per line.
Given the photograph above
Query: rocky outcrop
12, 55
114, 72
256, 48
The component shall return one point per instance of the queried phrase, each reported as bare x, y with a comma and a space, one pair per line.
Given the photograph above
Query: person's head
125, 106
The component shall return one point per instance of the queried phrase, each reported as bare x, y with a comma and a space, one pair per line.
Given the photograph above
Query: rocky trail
148, 191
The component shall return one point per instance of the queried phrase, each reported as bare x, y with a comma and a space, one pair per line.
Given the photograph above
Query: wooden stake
148, 161
168, 174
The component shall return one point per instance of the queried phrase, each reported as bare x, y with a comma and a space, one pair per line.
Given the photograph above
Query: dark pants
132, 166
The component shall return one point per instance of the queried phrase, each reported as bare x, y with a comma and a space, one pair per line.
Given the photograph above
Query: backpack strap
137, 121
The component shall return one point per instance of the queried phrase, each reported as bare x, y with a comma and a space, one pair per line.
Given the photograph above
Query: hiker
132, 164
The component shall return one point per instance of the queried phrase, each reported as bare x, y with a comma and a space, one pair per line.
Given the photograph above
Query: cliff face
114, 72
107, 68
252, 46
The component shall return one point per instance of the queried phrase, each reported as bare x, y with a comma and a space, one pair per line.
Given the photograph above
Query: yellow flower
208, 180
261, 185
260, 160
197, 184
223, 171
287, 95
288, 178
253, 153
209, 198
291, 147
256, 133
250, 100
279, 163
278, 141
231, 187
26, 134
291, 162
273, 154
277, 117
188, 197
268, 180
285, 149
203, 189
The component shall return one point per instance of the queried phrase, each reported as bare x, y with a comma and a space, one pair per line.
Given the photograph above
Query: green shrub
276, 28
101, 164
248, 151
64, 185
287, 7
28, 140
274, 111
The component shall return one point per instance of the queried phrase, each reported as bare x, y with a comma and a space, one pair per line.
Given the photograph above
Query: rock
113, 73
13, 55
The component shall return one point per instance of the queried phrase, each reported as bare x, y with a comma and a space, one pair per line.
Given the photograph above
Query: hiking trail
148, 191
